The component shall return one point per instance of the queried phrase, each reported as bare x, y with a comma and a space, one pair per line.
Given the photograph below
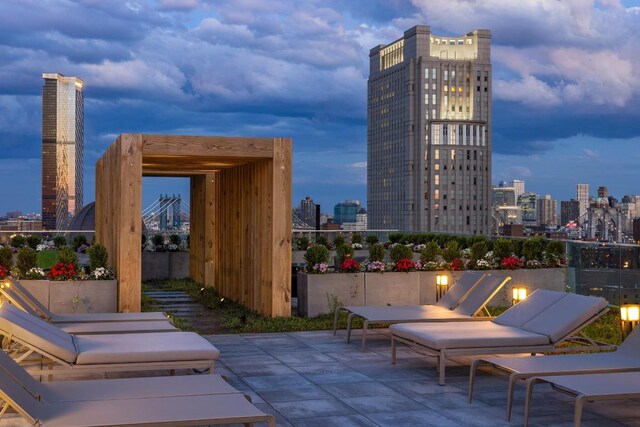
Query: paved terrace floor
316, 379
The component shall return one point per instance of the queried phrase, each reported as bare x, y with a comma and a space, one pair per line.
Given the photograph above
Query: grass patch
47, 259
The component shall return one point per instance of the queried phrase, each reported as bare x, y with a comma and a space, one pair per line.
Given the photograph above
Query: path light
518, 294
630, 315
442, 285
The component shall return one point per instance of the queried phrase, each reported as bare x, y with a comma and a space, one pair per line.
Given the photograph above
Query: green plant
338, 241
322, 241
302, 243
451, 250
6, 257
68, 256
144, 239
98, 256
26, 259
78, 241
59, 241
157, 239
502, 248
33, 241
345, 251
430, 252
395, 237
478, 250
532, 249
376, 252
372, 239
18, 240
316, 255
555, 247
356, 238
398, 252
46, 259
175, 239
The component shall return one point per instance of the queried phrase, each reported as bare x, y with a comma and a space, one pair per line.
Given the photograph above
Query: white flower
41, 247
356, 245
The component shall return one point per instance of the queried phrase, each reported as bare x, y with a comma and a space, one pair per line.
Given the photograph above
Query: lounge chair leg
349, 322
577, 417
441, 366
472, 377
510, 388
365, 328
527, 400
393, 351
335, 320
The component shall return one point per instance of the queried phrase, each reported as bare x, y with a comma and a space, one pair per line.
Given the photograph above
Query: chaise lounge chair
50, 317
27, 336
466, 298
589, 388
182, 400
626, 358
82, 328
535, 325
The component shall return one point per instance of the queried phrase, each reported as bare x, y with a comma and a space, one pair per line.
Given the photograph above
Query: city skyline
564, 78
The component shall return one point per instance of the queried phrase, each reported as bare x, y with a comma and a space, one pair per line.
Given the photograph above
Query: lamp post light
518, 294
629, 315
442, 285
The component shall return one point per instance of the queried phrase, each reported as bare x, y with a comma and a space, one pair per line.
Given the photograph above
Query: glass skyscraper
62, 148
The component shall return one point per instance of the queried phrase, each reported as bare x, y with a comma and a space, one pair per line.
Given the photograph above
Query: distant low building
359, 225
346, 211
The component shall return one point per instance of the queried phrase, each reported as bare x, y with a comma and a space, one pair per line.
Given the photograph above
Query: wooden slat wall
240, 216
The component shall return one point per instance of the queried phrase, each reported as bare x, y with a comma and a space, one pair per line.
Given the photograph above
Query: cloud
590, 153
359, 165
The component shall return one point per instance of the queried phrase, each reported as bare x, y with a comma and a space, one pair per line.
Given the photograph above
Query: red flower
3, 272
510, 263
404, 264
457, 265
62, 271
349, 265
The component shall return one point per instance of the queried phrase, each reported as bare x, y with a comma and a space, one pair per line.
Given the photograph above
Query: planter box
86, 296
165, 265
315, 291
392, 288
39, 289
552, 279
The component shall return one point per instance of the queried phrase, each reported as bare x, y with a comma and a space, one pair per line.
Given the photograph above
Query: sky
566, 84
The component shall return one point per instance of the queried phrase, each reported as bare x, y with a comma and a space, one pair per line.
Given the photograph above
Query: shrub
316, 255
451, 251
175, 239
78, 241
430, 252
532, 249
555, 247
157, 239
478, 238
303, 243
33, 241
98, 256
18, 241
372, 239
59, 241
144, 239
376, 252
478, 250
502, 248
345, 251
399, 252
516, 245
68, 256
6, 257
338, 241
395, 237
322, 241
356, 238
26, 259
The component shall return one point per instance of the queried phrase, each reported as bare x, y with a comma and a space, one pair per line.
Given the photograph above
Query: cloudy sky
566, 83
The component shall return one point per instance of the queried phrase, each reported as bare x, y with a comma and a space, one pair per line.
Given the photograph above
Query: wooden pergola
240, 239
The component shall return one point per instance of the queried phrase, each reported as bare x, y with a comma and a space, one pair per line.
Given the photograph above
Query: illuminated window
446, 75
436, 180
436, 155
436, 194
445, 88
453, 154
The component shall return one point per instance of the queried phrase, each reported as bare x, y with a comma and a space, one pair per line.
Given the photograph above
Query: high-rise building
547, 211
603, 192
346, 211
518, 186
504, 196
582, 196
306, 212
62, 149
429, 133
569, 211
528, 203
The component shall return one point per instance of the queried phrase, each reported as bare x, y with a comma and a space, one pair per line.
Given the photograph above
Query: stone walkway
316, 379
190, 312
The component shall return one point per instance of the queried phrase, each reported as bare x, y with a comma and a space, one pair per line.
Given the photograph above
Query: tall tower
429, 133
518, 185
582, 196
62, 148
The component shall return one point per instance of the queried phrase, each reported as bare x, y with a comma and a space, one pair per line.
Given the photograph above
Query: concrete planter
392, 288
316, 291
86, 296
39, 289
165, 265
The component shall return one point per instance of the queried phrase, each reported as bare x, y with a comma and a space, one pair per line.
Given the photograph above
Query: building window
433, 99
446, 75
436, 195
453, 154
433, 73
436, 180
436, 154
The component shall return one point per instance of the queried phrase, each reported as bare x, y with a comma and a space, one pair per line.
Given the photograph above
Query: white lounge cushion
108, 317
132, 348
526, 310
459, 289
466, 335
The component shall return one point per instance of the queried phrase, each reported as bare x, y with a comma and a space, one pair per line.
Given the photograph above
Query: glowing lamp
630, 315
518, 294
442, 285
